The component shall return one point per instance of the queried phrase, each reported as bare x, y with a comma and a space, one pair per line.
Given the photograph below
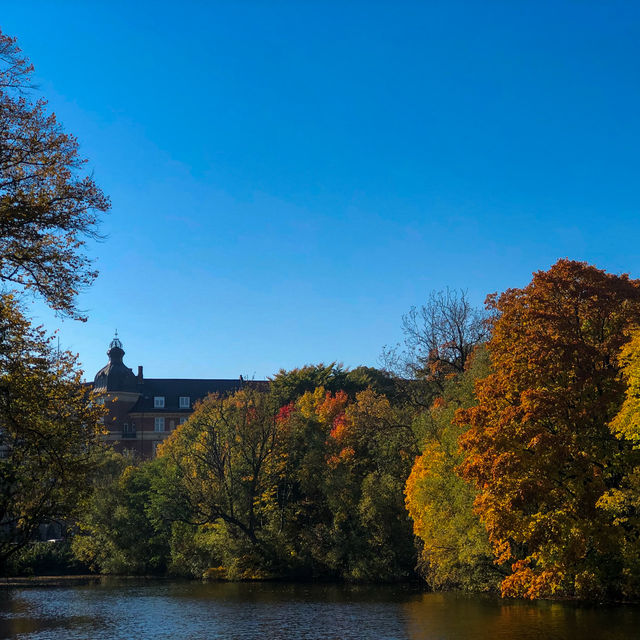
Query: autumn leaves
511, 453
550, 438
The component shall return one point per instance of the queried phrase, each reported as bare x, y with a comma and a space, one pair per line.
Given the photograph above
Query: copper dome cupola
115, 376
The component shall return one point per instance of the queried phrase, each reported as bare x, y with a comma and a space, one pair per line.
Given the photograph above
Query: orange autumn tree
538, 445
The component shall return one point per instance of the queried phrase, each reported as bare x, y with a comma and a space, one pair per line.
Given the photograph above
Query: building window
159, 424
183, 420
158, 402
185, 402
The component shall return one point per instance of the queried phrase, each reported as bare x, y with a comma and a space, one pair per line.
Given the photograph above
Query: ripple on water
138, 610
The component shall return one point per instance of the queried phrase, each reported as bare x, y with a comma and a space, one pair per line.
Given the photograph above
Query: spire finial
116, 342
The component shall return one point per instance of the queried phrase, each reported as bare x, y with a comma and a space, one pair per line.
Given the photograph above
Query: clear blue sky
288, 178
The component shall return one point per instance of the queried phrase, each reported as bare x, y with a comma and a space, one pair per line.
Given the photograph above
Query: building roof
115, 376
171, 389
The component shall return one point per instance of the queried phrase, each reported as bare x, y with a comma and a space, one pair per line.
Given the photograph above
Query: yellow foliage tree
626, 424
455, 549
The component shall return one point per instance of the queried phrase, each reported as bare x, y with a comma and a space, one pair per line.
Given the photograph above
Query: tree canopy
49, 427
48, 431
48, 208
455, 550
538, 444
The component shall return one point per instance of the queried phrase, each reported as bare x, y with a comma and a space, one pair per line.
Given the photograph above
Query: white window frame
158, 402
158, 425
183, 419
185, 402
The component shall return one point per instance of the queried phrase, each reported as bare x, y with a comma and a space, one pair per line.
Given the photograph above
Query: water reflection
118, 609
463, 617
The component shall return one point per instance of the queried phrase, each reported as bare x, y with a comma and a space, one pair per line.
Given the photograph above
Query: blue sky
288, 178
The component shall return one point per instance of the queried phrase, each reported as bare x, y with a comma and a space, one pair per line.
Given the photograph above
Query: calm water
192, 611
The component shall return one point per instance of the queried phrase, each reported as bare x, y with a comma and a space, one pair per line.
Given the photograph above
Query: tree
371, 451
626, 424
288, 386
348, 467
455, 551
439, 336
538, 446
118, 531
48, 431
306, 489
221, 459
48, 209
622, 503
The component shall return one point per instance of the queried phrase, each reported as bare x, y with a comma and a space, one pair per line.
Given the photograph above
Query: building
142, 412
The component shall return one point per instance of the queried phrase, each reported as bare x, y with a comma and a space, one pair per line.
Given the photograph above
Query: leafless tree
439, 337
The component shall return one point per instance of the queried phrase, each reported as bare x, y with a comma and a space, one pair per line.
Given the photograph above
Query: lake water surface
232, 611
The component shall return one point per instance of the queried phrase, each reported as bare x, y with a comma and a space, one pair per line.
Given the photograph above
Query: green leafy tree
375, 448
222, 459
49, 431
349, 485
118, 531
48, 211
288, 386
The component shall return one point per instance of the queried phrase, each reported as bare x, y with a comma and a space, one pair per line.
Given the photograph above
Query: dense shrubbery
45, 559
